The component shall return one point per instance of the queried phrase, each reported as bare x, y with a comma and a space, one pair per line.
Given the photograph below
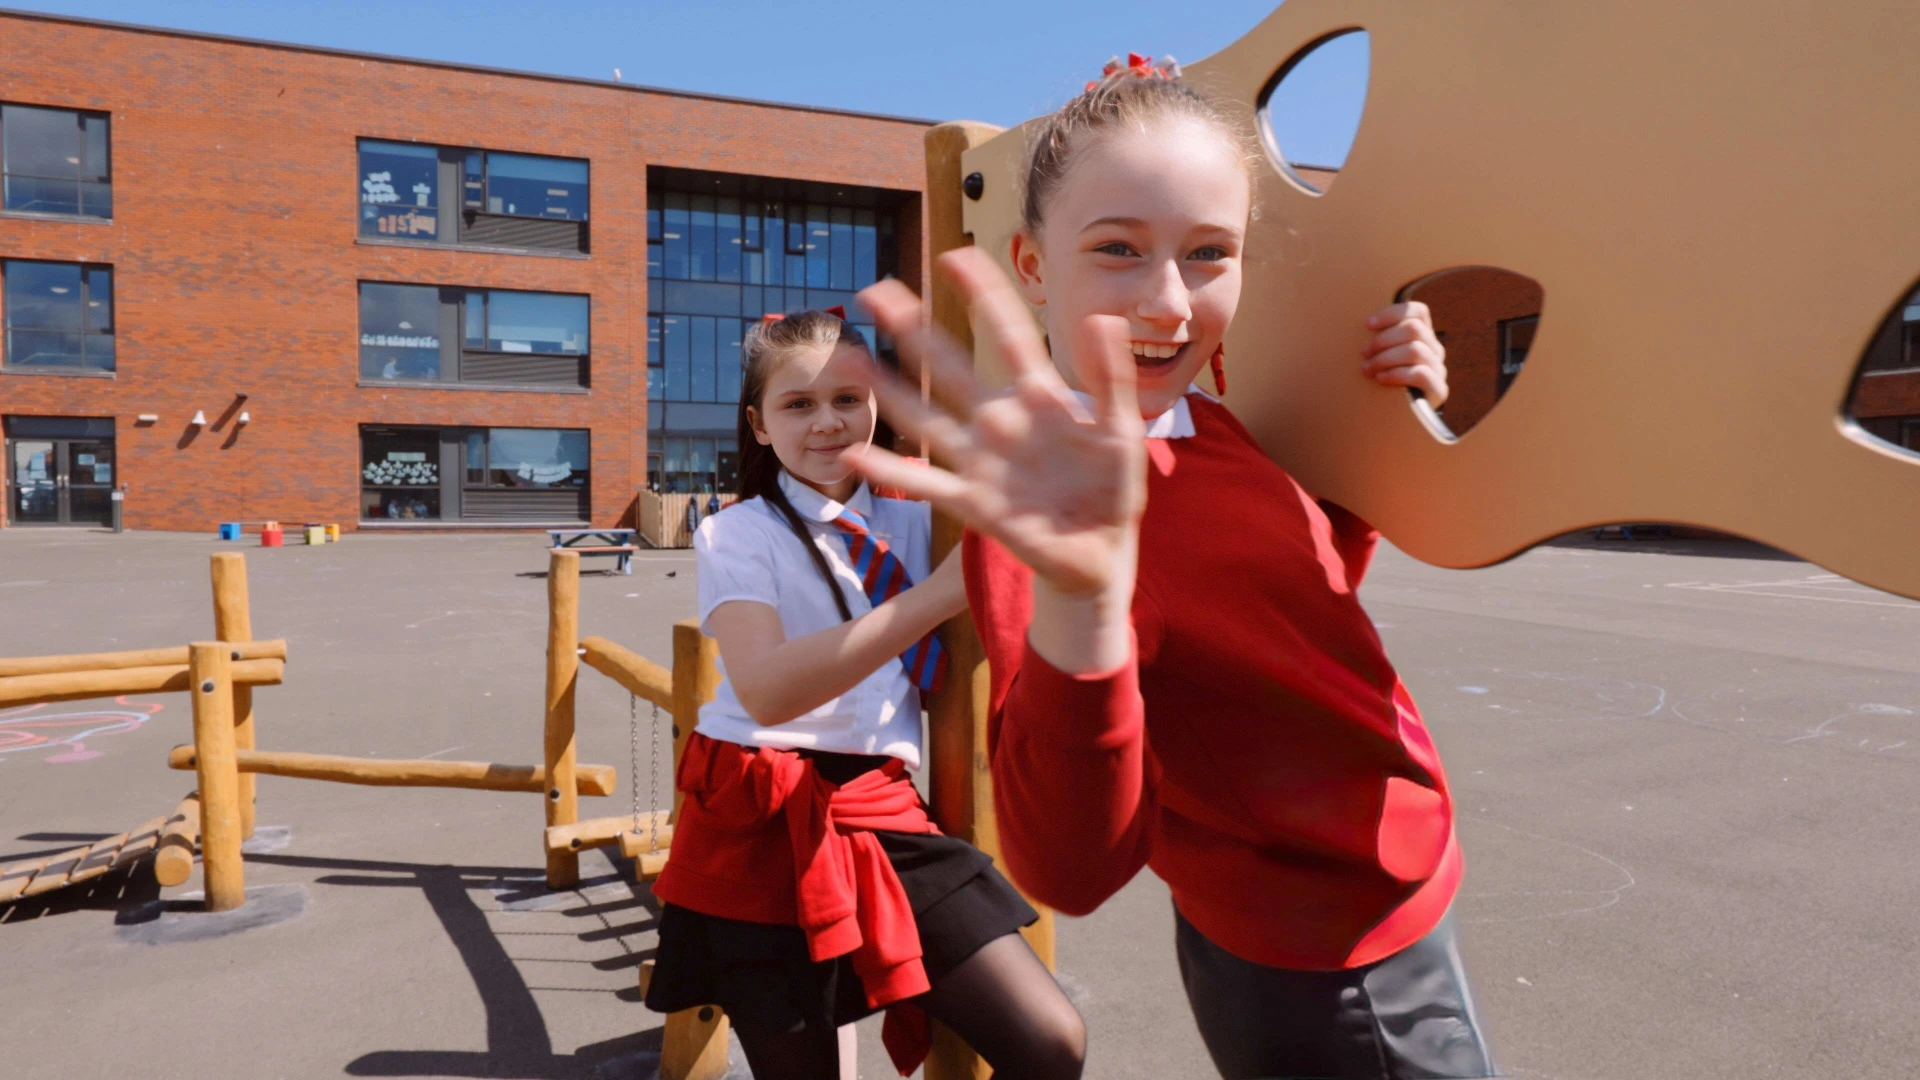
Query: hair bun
1139, 67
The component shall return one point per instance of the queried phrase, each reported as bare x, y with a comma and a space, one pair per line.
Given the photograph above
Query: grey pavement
1686, 775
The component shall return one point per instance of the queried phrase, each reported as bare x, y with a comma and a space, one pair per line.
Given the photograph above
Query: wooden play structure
243, 664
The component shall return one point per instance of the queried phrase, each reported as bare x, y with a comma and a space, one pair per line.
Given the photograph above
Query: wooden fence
663, 517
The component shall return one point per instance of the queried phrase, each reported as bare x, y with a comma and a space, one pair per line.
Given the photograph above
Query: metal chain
653, 802
633, 737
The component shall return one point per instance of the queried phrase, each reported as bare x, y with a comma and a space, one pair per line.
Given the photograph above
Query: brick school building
242, 280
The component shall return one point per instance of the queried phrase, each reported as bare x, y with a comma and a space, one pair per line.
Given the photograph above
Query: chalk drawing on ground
1535, 877
1818, 588
1493, 693
67, 731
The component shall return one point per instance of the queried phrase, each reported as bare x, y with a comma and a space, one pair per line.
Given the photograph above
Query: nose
827, 421
1167, 302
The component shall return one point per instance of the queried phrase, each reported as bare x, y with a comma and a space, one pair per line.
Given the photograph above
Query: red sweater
763, 837
1258, 752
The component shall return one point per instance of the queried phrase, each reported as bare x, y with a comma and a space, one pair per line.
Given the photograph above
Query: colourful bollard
229, 530
271, 536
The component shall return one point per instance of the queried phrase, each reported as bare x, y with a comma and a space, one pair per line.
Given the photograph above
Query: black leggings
1002, 1001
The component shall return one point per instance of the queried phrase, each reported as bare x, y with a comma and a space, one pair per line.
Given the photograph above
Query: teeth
1155, 351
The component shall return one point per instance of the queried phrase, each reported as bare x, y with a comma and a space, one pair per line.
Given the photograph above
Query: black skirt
762, 973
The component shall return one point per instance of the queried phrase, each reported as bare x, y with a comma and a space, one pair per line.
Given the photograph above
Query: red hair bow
838, 311
1140, 67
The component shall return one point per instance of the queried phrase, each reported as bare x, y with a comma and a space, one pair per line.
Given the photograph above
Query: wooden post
961, 783
233, 622
173, 862
563, 672
210, 667
696, 678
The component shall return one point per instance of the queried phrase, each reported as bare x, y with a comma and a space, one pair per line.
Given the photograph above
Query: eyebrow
1124, 222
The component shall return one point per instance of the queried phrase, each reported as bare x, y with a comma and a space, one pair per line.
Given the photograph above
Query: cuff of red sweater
1103, 708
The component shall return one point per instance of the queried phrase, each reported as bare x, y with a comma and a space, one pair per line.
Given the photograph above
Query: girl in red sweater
1182, 676
807, 887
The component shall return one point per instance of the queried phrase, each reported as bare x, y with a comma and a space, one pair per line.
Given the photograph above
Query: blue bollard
229, 530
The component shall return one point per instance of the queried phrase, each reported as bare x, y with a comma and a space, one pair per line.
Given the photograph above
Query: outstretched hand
1063, 488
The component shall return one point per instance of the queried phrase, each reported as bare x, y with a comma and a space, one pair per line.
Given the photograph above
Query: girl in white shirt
807, 887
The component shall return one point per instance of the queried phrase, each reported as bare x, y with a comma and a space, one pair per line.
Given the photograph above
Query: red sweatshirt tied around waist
824, 871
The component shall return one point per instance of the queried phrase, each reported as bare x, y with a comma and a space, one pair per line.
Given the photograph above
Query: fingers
883, 468
922, 346
999, 313
1404, 332
1430, 380
900, 403
1393, 313
1111, 377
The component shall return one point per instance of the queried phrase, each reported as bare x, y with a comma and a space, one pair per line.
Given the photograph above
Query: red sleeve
1072, 785
1353, 538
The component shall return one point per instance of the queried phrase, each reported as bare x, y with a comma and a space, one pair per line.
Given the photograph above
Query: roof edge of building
451, 65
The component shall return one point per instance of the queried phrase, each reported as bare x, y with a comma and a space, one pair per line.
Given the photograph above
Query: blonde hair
1122, 100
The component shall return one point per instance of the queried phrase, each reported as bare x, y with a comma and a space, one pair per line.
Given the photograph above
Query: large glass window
481, 198
537, 458
400, 332
474, 474
431, 333
55, 161
399, 190
526, 186
59, 316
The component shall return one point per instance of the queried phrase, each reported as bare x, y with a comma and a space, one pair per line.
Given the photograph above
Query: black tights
1002, 1001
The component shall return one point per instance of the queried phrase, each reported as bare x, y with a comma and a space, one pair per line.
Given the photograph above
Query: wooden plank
212, 667
170, 656
233, 622
173, 862
113, 682
606, 831
563, 674
696, 678
642, 677
961, 782
406, 772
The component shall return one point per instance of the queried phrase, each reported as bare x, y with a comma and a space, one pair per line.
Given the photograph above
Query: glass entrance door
87, 465
36, 487
62, 481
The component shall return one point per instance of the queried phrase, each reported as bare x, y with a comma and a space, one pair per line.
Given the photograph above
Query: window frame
80, 178
7, 366
455, 208
454, 348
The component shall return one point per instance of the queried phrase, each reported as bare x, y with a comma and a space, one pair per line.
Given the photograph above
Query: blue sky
1008, 61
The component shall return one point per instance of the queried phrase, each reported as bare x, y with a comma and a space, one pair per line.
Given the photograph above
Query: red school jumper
1258, 751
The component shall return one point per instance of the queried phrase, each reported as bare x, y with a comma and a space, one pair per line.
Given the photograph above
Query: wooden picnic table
619, 543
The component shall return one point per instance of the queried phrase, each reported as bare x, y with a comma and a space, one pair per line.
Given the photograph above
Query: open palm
1062, 488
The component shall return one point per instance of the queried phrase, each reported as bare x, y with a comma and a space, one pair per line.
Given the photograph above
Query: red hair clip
1140, 67
838, 311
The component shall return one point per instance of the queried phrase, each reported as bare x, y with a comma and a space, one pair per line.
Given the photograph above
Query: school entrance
59, 470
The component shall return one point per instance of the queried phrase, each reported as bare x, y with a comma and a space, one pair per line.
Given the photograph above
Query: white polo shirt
749, 552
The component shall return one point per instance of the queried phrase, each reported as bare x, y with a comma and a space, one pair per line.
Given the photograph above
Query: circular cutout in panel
1885, 402
1310, 111
1485, 317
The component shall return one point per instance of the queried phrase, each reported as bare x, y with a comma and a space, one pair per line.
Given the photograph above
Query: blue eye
1210, 253
1117, 248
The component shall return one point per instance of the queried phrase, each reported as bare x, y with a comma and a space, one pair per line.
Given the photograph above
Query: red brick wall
235, 257
1468, 305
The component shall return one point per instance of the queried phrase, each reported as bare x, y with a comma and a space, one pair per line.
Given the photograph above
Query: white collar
1175, 423
817, 507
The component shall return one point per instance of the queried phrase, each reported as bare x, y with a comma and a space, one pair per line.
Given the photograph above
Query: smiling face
817, 403
1149, 225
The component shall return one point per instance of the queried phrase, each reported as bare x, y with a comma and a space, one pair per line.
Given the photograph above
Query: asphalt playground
1687, 774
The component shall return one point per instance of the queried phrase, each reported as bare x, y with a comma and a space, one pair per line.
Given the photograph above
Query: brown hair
1121, 100
768, 345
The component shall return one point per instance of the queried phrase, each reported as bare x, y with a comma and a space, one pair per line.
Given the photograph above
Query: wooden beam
113, 682
563, 675
136, 658
173, 862
233, 622
211, 665
405, 772
961, 782
696, 678
641, 676
608, 831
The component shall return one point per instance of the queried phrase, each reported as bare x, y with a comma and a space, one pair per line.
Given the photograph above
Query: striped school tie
883, 578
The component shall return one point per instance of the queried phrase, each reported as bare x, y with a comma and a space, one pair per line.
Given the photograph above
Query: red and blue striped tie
883, 577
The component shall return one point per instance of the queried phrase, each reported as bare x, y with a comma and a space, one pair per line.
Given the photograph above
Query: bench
618, 543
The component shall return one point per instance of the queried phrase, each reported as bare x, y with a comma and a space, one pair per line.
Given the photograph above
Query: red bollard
271, 536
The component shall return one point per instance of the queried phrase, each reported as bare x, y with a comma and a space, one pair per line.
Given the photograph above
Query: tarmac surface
1687, 775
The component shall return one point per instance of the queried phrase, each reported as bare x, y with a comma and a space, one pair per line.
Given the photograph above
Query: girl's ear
1026, 267
759, 429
